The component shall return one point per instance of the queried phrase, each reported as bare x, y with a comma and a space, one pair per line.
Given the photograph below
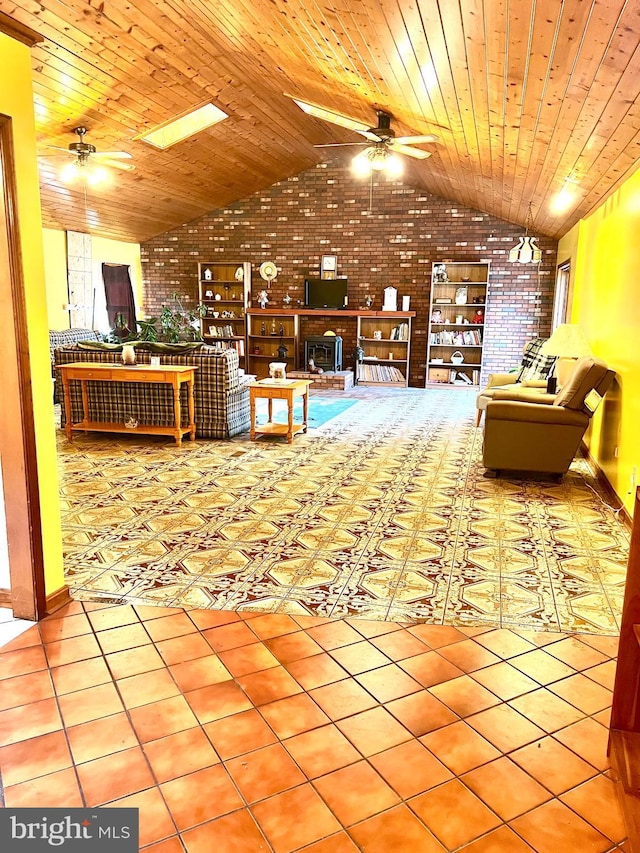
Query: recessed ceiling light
183, 126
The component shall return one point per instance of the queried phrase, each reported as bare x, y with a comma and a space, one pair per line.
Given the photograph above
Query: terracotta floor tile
169, 845
306, 622
373, 731
342, 699
396, 830
230, 636
468, 655
180, 649
38, 756
421, 712
589, 740
200, 796
553, 765
162, 718
155, 820
369, 629
269, 685
316, 671
148, 687
112, 617
553, 827
506, 788
273, 625
597, 802
607, 645
546, 710
134, 661
168, 627
150, 612
71, 608
583, 693
603, 674
355, 792
127, 637
217, 701
505, 681
89, 704
27, 721
454, 814
359, 657
114, 776
459, 747
541, 666
27, 639
264, 772
200, 672
410, 768
24, 689
464, 695
65, 627
232, 833
293, 715
101, 737
504, 643
501, 840
505, 728
294, 646
437, 636
575, 653
430, 668
179, 754
239, 733
334, 634
58, 789
322, 750
603, 717
340, 843
21, 661
204, 619
248, 659
77, 676
388, 682
400, 645
313, 819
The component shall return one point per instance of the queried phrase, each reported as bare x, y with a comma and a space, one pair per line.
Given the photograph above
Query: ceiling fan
86, 158
381, 140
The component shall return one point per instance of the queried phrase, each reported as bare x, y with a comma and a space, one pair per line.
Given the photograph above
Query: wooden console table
287, 390
166, 374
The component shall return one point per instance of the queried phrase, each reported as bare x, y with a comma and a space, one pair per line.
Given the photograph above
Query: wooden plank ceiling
523, 94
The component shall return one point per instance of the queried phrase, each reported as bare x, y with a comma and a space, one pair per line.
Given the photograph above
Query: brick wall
326, 211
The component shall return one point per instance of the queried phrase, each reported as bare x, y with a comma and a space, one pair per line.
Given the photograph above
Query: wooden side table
289, 390
167, 374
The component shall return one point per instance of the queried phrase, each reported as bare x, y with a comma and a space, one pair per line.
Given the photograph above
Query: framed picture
329, 266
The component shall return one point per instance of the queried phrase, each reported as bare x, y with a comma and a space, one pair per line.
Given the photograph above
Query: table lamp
568, 343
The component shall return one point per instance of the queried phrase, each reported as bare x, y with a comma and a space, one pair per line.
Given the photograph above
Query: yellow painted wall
16, 101
606, 303
103, 250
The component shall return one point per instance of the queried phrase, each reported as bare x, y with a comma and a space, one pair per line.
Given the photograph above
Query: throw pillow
535, 365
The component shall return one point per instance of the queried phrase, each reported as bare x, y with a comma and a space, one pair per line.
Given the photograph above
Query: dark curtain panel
121, 310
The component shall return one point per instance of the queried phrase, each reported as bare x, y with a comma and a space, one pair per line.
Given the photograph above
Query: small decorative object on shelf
390, 302
207, 274
287, 300
283, 352
263, 329
440, 273
461, 296
208, 294
478, 317
262, 299
436, 316
406, 301
239, 274
128, 354
368, 301
457, 357
274, 331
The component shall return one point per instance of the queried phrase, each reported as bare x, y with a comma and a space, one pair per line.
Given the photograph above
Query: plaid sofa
221, 394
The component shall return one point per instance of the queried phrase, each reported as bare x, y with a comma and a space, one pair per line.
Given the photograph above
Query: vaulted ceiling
528, 98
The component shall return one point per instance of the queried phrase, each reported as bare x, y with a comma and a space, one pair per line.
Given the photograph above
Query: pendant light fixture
526, 250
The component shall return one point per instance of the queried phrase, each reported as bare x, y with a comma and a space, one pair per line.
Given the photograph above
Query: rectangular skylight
184, 126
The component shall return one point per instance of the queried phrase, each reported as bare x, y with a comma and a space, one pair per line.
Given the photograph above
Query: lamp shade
567, 341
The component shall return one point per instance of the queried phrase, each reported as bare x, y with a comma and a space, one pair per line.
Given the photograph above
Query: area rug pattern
384, 513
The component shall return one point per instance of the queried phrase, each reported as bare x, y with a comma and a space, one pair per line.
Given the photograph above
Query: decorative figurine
440, 273
287, 300
478, 317
368, 301
262, 299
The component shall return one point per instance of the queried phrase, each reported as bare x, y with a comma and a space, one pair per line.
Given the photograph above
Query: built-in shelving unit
224, 289
385, 342
455, 340
269, 334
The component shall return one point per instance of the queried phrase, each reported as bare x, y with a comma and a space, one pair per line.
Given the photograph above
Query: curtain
121, 309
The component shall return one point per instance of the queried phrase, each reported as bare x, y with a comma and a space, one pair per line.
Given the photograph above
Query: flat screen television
325, 292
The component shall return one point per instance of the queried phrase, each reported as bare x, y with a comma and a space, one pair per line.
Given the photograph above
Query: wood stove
325, 351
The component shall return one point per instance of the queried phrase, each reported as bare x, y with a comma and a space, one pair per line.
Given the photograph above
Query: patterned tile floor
382, 513
246, 732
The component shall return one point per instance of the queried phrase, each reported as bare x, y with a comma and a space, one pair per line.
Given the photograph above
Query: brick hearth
339, 380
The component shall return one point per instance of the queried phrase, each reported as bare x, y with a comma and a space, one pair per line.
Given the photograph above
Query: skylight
184, 126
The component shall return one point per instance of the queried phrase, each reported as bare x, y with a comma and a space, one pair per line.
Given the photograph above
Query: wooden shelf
227, 269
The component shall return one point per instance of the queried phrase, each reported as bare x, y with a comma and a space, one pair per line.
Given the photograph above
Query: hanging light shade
526, 250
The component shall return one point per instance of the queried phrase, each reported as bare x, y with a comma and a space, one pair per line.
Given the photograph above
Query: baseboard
58, 599
5, 598
606, 487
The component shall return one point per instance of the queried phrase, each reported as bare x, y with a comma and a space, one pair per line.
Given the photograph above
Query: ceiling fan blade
416, 140
116, 164
112, 155
371, 135
417, 153
330, 115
